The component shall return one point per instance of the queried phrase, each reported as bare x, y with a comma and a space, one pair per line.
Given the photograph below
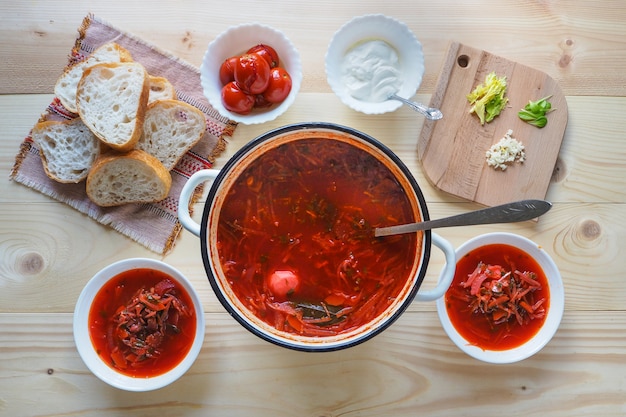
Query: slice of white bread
112, 100
65, 87
160, 89
133, 177
171, 128
68, 149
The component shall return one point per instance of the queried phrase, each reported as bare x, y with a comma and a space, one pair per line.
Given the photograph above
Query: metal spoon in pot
430, 113
506, 213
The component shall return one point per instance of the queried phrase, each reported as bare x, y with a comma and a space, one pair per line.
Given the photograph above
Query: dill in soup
296, 238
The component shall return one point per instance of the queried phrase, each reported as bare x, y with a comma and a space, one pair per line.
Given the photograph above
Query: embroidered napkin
154, 225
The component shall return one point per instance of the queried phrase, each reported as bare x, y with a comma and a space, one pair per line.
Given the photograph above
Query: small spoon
430, 113
506, 213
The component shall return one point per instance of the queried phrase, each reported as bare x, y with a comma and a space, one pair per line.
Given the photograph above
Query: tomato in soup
499, 297
142, 323
296, 242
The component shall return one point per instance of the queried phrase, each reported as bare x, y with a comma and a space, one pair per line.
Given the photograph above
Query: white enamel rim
237, 40
555, 311
372, 27
83, 340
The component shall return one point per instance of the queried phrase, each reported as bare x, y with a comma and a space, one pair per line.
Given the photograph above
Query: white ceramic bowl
85, 346
554, 313
237, 40
375, 27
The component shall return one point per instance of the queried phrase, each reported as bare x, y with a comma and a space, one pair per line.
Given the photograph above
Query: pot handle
185, 197
447, 273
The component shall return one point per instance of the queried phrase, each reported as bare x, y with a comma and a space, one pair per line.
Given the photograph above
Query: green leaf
540, 122
535, 112
526, 115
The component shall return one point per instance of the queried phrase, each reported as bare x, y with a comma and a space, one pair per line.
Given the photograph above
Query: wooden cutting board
452, 150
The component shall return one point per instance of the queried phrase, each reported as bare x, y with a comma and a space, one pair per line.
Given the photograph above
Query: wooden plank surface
53, 249
590, 166
578, 43
452, 150
410, 369
48, 251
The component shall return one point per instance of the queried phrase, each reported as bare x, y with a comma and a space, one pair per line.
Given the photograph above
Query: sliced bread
171, 128
160, 89
68, 149
133, 177
66, 85
112, 100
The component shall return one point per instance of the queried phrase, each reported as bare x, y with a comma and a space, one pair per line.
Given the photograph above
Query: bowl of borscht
287, 236
506, 300
138, 324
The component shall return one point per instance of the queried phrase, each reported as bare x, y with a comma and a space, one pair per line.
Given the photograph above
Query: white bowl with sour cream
369, 58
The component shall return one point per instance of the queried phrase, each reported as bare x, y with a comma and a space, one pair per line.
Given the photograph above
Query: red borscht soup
295, 237
499, 297
142, 323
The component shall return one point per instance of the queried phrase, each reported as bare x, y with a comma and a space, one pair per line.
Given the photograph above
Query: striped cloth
156, 225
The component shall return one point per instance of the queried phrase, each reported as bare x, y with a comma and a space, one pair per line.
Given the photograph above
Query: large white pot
224, 179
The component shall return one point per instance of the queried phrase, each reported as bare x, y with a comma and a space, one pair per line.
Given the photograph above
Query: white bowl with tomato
138, 324
506, 300
251, 73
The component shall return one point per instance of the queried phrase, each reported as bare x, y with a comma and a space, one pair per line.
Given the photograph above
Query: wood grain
47, 259
577, 43
590, 166
48, 250
410, 368
452, 150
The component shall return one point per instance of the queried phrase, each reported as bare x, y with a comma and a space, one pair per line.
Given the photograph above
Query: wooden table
48, 251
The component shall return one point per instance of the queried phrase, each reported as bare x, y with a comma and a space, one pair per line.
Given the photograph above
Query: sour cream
371, 71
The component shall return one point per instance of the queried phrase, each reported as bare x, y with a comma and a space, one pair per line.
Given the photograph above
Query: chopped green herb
535, 112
